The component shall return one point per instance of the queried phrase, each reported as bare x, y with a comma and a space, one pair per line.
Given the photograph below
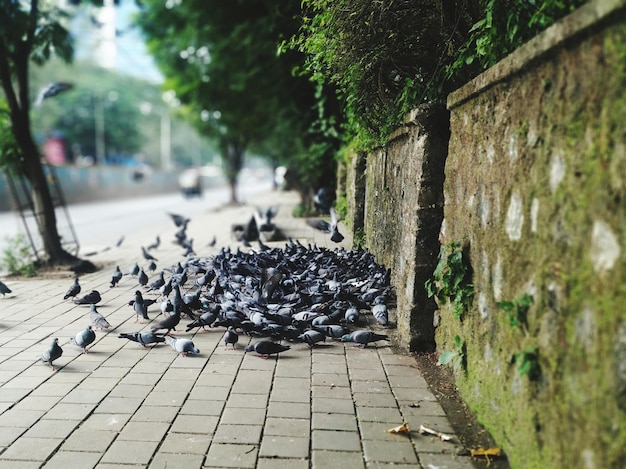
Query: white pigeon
182, 346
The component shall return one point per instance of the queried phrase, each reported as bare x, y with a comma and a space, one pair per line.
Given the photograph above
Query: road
100, 224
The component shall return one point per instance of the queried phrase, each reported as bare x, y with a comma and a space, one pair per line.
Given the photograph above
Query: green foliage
517, 310
503, 26
10, 155
528, 363
456, 357
17, 257
382, 57
451, 280
358, 238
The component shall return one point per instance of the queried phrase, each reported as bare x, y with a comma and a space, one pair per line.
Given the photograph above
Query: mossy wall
402, 216
535, 185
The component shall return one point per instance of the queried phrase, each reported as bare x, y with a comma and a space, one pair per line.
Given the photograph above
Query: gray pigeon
4, 289
98, 321
73, 290
134, 270
381, 314
205, 319
265, 348
362, 338
182, 346
312, 337
84, 338
116, 277
142, 278
90, 298
140, 307
144, 338
152, 266
52, 353
155, 245
334, 331
147, 256
352, 315
230, 337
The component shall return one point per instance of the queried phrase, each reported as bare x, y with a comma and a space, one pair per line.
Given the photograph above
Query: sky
126, 51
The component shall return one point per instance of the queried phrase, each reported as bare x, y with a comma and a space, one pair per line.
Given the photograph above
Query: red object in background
54, 151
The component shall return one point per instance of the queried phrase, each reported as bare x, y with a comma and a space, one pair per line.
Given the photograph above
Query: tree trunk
232, 154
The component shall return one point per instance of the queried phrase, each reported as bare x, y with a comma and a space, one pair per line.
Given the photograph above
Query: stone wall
534, 185
536, 188
402, 215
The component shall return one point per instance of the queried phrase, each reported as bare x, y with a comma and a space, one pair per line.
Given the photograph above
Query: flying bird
52, 353
154, 245
331, 227
51, 90
84, 338
179, 220
146, 255
73, 290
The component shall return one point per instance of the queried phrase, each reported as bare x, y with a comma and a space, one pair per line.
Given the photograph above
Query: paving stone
235, 416
86, 439
296, 410
73, 460
19, 464
209, 393
363, 399
164, 460
335, 440
143, 431
379, 387
332, 392
287, 427
186, 443
291, 371
445, 460
9, 434
333, 406
379, 414
148, 413
202, 424
378, 431
291, 395
285, 463
125, 390
58, 429
273, 446
201, 407
118, 405
174, 398
84, 396
20, 418
229, 455
322, 459
63, 411
106, 421
130, 452
290, 384
330, 421
31, 449
386, 451
254, 401
330, 379
240, 434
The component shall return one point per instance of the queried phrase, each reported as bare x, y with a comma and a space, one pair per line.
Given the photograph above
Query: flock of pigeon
278, 296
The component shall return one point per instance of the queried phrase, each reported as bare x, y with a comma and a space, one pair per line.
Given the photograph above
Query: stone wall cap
569, 27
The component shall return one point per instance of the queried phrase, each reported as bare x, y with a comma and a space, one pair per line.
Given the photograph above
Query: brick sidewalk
124, 406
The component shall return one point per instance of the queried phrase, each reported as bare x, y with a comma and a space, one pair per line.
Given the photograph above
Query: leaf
446, 357
404, 428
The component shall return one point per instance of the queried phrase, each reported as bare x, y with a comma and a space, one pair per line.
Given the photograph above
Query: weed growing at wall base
451, 280
17, 258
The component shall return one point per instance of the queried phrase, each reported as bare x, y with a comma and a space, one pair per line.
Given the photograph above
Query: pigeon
91, 298
98, 321
84, 338
381, 314
134, 270
52, 353
328, 227
265, 348
147, 256
212, 242
142, 278
140, 306
73, 290
352, 315
362, 338
312, 337
116, 277
4, 289
169, 323
334, 331
152, 266
182, 346
179, 220
51, 90
144, 338
155, 245
119, 242
206, 319
230, 337
158, 283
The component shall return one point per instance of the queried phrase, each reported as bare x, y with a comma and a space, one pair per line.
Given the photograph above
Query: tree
222, 60
32, 33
